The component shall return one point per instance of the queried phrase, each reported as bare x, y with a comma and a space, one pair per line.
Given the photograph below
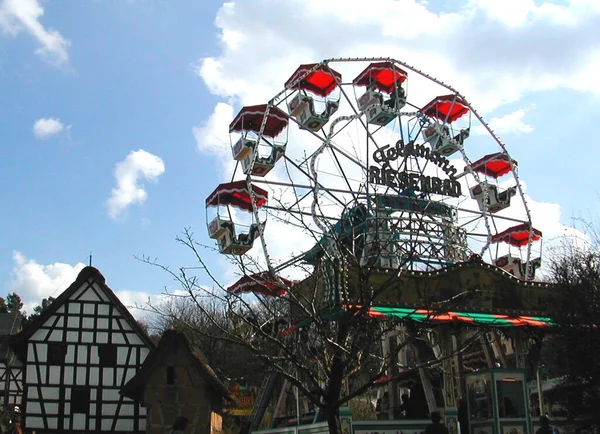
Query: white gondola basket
242, 148
217, 227
298, 104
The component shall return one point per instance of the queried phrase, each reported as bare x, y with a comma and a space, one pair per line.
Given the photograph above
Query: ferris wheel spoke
311, 178
384, 169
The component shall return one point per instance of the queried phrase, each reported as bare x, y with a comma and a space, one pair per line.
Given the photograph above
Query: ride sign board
386, 175
245, 397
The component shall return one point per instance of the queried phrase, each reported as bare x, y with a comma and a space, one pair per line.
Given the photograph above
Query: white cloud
19, 15
34, 282
511, 13
491, 56
137, 302
511, 123
45, 128
137, 166
491, 53
212, 137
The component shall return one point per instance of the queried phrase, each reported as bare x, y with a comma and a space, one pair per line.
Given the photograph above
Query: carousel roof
384, 75
446, 108
250, 118
494, 165
322, 81
261, 283
237, 194
517, 236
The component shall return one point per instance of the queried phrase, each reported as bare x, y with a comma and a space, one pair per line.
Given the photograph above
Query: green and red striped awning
481, 319
436, 317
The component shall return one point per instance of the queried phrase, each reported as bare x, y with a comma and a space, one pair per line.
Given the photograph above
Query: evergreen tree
3, 306
14, 303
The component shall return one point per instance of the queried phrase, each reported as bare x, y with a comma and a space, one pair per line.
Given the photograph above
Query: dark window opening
171, 375
179, 425
56, 353
107, 353
80, 400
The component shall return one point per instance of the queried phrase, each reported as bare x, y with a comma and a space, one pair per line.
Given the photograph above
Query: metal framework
374, 142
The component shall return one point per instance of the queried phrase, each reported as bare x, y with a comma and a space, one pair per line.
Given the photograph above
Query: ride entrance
372, 163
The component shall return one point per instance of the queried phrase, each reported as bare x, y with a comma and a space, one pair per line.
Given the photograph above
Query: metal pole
297, 406
540, 391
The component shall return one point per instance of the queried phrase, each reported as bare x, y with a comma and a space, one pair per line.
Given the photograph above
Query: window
511, 401
80, 400
480, 398
107, 353
179, 425
56, 353
171, 375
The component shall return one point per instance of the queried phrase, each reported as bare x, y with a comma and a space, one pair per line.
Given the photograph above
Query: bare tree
319, 334
575, 347
205, 333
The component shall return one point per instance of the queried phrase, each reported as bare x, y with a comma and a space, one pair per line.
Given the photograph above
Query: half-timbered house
11, 369
76, 356
180, 391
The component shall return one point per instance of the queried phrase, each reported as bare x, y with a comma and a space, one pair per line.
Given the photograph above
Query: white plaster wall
34, 422
49, 392
79, 421
31, 374
124, 425
101, 292
82, 353
55, 375
34, 408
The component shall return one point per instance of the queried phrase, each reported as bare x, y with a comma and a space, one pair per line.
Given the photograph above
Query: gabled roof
9, 325
170, 340
19, 341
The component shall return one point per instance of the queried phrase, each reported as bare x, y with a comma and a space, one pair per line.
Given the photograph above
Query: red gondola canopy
261, 283
236, 194
446, 108
250, 118
517, 236
495, 165
322, 81
384, 75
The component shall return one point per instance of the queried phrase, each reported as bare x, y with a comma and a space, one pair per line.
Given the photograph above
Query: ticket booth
497, 402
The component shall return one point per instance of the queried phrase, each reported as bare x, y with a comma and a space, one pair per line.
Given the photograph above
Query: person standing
463, 415
546, 428
436, 426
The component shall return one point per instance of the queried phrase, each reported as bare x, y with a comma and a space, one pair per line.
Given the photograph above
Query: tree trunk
333, 394
333, 420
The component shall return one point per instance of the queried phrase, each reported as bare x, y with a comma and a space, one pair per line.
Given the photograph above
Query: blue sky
110, 82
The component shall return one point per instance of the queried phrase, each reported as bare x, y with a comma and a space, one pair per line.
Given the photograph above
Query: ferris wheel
376, 158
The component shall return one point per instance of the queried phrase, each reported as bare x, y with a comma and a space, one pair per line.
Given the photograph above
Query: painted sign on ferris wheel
384, 174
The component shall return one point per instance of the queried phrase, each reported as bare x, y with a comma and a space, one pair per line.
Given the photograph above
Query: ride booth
497, 402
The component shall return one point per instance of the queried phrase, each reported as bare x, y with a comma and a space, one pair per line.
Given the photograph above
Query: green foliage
3, 306
14, 303
37, 311
43, 306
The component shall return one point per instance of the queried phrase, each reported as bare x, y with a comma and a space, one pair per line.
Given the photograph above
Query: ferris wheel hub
402, 206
